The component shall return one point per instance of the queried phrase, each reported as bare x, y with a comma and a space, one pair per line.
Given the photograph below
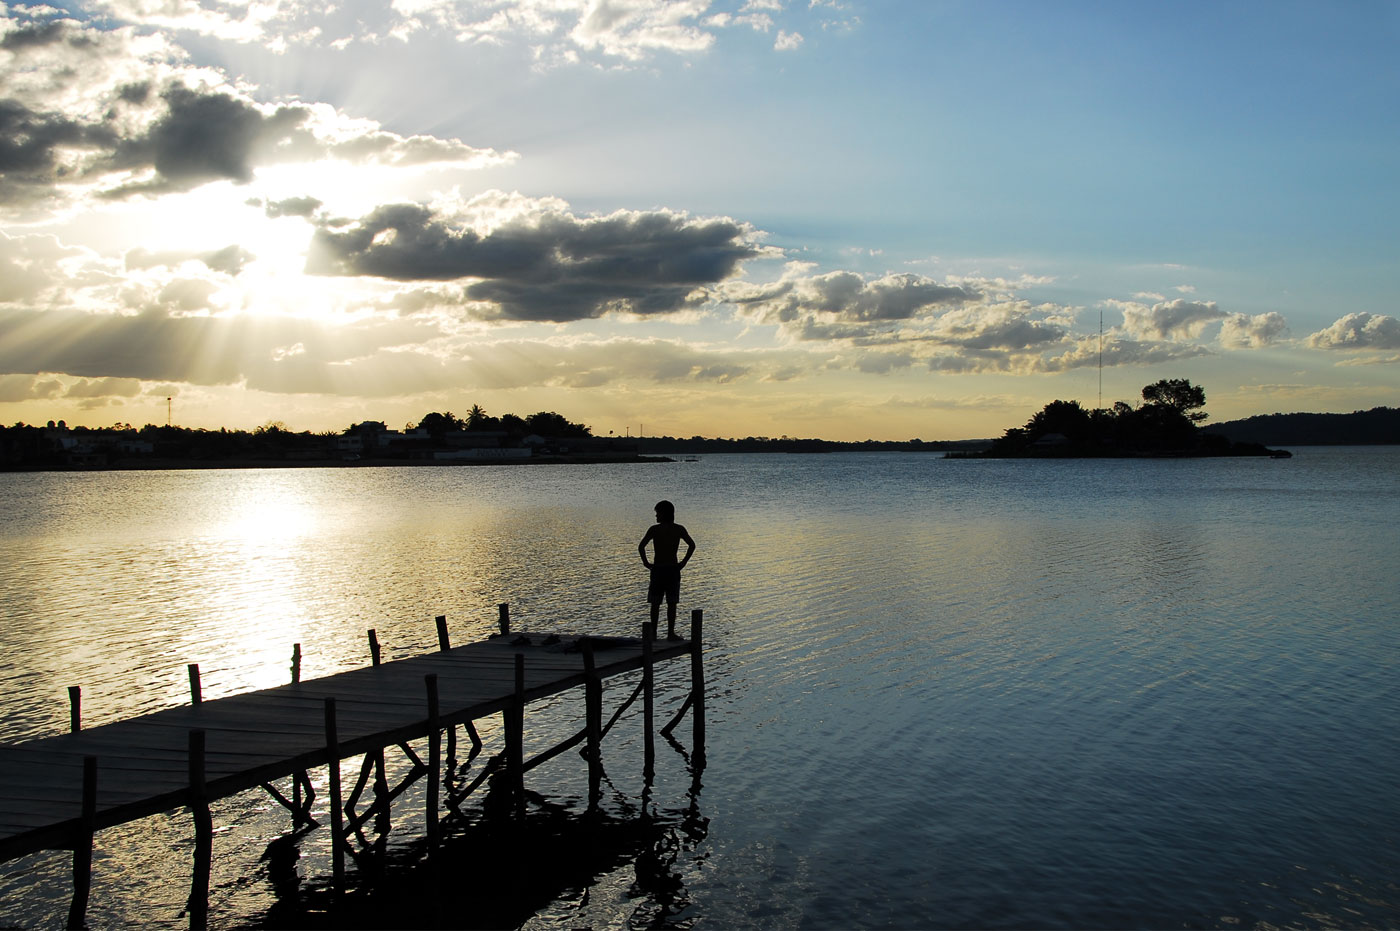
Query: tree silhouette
1179, 395
439, 425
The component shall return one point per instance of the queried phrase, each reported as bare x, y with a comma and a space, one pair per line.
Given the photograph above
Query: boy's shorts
665, 582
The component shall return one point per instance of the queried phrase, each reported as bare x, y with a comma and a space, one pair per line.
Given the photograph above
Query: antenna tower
167, 411
1101, 360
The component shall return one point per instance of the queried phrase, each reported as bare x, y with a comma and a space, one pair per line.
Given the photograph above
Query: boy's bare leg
655, 617
670, 621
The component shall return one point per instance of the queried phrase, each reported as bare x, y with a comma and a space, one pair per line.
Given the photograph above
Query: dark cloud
555, 267
32, 145
823, 305
111, 105
292, 207
208, 136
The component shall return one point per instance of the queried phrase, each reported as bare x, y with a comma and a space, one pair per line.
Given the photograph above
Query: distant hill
1378, 426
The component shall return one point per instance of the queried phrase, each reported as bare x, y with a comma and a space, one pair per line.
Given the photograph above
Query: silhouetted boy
665, 536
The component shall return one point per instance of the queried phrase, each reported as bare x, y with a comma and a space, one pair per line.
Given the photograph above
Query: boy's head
665, 512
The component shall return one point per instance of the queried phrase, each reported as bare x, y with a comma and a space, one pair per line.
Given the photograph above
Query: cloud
1238, 331
229, 260
163, 344
291, 207
546, 264
82, 109
787, 41
845, 302
1178, 319
1359, 331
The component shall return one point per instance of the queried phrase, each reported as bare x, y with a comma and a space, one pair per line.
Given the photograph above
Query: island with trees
1166, 423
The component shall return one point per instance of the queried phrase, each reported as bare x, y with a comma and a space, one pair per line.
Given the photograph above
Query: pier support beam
648, 708
697, 686
336, 805
514, 720
82, 847
593, 708
198, 904
430, 681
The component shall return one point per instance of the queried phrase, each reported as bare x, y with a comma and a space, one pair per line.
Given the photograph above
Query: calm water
943, 693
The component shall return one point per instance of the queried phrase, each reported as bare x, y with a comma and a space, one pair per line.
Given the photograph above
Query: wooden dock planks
143, 762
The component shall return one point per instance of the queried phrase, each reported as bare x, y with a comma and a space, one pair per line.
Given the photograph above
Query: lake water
942, 693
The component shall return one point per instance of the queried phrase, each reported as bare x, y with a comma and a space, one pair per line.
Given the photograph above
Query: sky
815, 218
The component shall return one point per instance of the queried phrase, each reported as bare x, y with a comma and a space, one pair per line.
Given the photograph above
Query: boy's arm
642, 547
689, 548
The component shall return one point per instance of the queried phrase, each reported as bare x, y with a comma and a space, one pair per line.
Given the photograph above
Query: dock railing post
196, 692
75, 708
297, 811
697, 685
445, 644
82, 846
336, 804
648, 706
373, 647
503, 610
198, 904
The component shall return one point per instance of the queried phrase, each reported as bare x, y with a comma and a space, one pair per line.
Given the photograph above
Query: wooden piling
648, 706
373, 648
593, 709
75, 708
697, 686
82, 846
196, 692
336, 804
503, 610
443, 644
296, 783
198, 905
514, 721
434, 761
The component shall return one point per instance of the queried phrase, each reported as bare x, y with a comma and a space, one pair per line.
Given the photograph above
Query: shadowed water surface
943, 693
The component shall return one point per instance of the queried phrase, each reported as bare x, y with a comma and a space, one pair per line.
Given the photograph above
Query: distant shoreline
176, 465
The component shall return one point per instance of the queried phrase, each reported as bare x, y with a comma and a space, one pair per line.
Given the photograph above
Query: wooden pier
55, 792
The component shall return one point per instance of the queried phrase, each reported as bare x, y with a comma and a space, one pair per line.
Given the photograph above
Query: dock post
381, 781
503, 609
515, 739
443, 643
196, 693
198, 904
296, 783
336, 804
75, 708
593, 704
434, 761
82, 847
697, 686
648, 706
